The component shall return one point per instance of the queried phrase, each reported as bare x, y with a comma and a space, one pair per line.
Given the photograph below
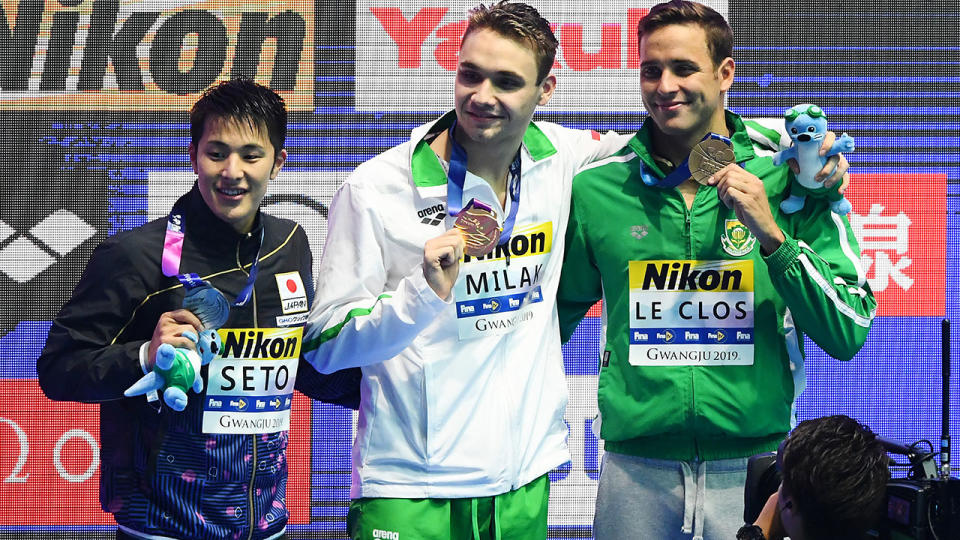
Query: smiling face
681, 87
496, 89
234, 162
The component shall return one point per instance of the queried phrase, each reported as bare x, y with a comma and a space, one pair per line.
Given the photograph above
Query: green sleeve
580, 286
818, 272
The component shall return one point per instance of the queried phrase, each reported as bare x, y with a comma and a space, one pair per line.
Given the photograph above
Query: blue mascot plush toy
177, 370
807, 124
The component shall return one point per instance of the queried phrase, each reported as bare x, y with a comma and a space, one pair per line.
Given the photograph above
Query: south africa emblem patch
736, 238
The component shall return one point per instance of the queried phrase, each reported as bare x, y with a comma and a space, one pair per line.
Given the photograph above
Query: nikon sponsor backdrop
93, 95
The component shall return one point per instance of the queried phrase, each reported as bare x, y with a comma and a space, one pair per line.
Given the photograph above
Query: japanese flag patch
293, 296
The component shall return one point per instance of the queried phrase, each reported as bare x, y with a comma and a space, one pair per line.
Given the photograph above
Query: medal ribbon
190, 281
172, 244
680, 174
173, 252
457, 174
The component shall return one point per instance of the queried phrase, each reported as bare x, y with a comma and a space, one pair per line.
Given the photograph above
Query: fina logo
717, 336
667, 336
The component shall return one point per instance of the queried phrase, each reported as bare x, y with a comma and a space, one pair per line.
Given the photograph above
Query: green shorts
520, 514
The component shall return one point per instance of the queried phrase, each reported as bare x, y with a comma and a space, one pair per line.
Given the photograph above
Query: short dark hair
836, 471
521, 23
719, 33
241, 100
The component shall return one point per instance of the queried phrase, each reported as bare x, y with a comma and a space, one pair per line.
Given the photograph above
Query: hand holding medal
737, 189
176, 369
441, 261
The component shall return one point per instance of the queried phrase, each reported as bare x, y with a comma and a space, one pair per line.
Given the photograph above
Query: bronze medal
478, 224
708, 157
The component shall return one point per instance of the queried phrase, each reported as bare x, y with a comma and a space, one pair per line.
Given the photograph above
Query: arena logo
51, 215
93, 54
411, 47
24, 256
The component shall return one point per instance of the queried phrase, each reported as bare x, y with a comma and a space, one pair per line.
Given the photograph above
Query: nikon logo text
139, 54
682, 277
532, 240
256, 344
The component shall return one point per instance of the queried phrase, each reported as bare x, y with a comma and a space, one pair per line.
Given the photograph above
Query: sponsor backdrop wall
93, 95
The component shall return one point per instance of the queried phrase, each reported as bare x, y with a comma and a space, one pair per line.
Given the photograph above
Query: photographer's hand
769, 518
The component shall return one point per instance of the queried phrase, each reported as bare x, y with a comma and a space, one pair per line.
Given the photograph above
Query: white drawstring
694, 495
701, 498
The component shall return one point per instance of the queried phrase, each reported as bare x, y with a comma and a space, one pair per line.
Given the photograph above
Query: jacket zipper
253, 476
253, 437
514, 470
688, 225
690, 256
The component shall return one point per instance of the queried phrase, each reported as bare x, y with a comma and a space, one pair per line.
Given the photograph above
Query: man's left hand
745, 194
769, 518
834, 171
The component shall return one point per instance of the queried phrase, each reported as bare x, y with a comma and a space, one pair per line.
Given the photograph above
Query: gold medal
478, 224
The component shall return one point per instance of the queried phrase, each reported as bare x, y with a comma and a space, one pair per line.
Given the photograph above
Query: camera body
763, 479
924, 509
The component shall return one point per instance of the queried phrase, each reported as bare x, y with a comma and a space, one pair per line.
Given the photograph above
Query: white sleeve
589, 146
355, 320
769, 133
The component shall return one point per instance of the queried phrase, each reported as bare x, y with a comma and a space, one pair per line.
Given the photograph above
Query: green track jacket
702, 353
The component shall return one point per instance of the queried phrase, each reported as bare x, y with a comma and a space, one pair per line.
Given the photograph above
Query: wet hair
719, 33
836, 472
241, 100
521, 23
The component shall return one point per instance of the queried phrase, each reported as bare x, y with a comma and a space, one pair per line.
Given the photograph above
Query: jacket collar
426, 169
642, 142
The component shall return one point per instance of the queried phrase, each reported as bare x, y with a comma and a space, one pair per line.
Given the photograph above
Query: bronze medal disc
478, 224
708, 157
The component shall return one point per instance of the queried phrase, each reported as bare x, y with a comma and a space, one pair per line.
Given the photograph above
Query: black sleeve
81, 360
341, 387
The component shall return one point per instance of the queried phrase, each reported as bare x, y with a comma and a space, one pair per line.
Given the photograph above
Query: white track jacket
463, 397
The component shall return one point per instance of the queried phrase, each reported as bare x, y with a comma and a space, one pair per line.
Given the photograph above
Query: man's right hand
441, 261
170, 329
